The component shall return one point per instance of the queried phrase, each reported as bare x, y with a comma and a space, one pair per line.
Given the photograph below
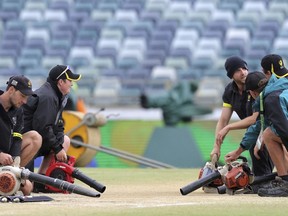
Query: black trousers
262, 166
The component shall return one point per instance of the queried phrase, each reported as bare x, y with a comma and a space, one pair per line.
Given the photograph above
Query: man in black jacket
13, 142
44, 114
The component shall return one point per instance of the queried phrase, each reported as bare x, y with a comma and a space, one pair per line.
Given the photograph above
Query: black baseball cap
233, 63
275, 64
21, 83
63, 72
255, 81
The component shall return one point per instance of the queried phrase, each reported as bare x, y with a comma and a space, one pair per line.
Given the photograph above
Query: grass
140, 192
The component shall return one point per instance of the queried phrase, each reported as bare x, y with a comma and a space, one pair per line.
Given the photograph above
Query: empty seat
159, 45
204, 6
48, 62
162, 35
161, 72
260, 43
101, 15
209, 92
31, 53
259, 6
236, 45
180, 6
135, 43
252, 16
83, 52
177, 16
38, 33
109, 43
187, 44
279, 6
31, 15
177, 62
272, 16
131, 53
223, 15
204, 58
107, 91
280, 43
126, 15
160, 5
27, 62
7, 62
210, 43
167, 25
35, 5
102, 62
150, 16
187, 34
53, 15
127, 63
238, 33
88, 79
112, 33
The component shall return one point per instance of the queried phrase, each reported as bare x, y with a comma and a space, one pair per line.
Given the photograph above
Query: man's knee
36, 140
33, 139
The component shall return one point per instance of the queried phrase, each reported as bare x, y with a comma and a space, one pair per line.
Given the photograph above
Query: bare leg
47, 158
31, 143
275, 149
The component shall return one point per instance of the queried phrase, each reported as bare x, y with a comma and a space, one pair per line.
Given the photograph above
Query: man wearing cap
272, 64
13, 143
44, 114
235, 98
274, 100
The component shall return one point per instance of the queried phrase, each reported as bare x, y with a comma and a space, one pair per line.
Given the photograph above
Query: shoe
207, 189
39, 188
279, 189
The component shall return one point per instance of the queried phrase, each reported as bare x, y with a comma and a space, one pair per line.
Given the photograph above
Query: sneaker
279, 189
39, 188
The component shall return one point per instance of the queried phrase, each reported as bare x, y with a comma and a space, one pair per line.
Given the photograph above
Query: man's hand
5, 159
61, 156
221, 135
216, 150
234, 155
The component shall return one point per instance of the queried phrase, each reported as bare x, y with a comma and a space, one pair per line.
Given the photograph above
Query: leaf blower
67, 172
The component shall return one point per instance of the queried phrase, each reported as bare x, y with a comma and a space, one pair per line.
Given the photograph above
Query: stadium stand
130, 39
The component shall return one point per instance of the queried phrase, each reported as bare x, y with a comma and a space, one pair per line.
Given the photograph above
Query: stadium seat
32, 15
177, 62
7, 62
102, 62
101, 15
38, 33
226, 16
109, 43
55, 15
162, 72
204, 59
48, 62
107, 91
112, 33
126, 15
36, 5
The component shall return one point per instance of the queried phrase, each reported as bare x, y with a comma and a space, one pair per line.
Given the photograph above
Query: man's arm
222, 122
248, 140
242, 124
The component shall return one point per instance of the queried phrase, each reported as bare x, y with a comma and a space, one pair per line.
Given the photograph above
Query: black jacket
44, 114
11, 124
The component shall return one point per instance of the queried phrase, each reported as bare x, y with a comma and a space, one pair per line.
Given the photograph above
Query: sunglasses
64, 72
